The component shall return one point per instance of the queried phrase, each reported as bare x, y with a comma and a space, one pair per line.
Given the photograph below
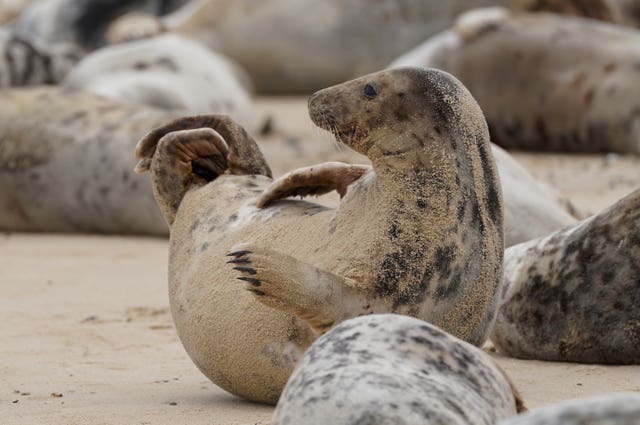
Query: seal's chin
351, 135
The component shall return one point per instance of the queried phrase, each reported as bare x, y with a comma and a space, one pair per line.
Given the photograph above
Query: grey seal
64, 165
610, 409
347, 38
574, 295
167, 72
389, 369
544, 81
428, 217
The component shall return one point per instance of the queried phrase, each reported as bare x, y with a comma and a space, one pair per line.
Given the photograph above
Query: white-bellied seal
65, 163
167, 72
610, 409
388, 369
26, 63
428, 220
545, 81
574, 295
347, 38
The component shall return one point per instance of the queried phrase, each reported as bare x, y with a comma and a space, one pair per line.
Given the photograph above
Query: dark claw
254, 282
245, 270
239, 261
238, 253
259, 293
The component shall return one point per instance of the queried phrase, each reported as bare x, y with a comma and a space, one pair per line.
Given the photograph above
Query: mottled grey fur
611, 409
391, 369
574, 295
66, 166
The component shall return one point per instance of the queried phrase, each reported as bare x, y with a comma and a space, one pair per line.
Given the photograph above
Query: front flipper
315, 180
282, 282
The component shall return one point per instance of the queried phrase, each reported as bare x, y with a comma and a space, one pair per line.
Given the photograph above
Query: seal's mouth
349, 134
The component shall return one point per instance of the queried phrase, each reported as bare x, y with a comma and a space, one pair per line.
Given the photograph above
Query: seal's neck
425, 163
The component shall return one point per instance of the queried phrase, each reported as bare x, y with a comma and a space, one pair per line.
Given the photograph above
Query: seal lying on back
610, 409
421, 234
574, 295
544, 81
347, 38
64, 164
167, 72
390, 369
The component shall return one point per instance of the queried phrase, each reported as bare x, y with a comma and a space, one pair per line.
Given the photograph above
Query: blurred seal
544, 81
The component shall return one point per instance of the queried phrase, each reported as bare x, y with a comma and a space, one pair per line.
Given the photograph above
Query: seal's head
396, 110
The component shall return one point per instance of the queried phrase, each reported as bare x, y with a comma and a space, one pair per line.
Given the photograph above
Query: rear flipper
193, 151
321, 298
315, 180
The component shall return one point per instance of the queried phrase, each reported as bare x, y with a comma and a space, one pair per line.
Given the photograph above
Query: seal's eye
370, 91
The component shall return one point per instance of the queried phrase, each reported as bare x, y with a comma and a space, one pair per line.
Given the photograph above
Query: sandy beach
86, 336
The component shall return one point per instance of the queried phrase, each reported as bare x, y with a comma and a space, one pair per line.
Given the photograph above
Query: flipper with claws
282, 282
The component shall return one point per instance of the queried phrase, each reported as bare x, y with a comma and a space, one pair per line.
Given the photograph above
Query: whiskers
328, 129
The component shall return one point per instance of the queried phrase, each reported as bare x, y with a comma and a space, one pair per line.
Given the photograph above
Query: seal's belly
241, 345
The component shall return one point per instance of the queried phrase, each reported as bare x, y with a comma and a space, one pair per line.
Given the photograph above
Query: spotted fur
574, 295
64, 165
610, 409
390, 369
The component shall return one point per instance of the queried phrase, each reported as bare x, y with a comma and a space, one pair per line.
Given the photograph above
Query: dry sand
86, 336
